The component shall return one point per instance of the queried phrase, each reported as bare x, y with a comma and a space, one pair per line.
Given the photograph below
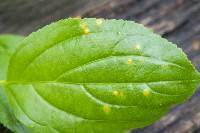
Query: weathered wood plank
177, 20
23, 17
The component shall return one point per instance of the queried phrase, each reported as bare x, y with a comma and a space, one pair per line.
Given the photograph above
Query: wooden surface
177, 20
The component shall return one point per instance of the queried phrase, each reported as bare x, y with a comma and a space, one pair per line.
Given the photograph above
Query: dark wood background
176, 20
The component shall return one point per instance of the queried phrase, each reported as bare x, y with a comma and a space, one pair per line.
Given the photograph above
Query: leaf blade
8, 44
119, 70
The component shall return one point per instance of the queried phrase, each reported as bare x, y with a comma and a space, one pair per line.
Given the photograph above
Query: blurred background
176, 20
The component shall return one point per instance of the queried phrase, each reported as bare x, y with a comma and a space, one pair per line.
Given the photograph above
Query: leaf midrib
7, 82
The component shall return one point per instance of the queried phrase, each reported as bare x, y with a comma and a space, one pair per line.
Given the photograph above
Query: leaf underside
94, 76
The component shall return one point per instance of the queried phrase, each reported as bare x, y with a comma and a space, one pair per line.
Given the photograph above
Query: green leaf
95, 75
8, 44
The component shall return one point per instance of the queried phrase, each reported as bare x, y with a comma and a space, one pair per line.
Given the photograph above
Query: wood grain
177, 20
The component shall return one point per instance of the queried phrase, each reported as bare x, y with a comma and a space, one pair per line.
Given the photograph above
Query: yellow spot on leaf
106, 108
99, 21
116, 93
85, 28
130, 61
146, 92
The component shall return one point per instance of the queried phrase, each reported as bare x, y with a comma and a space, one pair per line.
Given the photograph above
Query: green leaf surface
8, 44
95, 75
